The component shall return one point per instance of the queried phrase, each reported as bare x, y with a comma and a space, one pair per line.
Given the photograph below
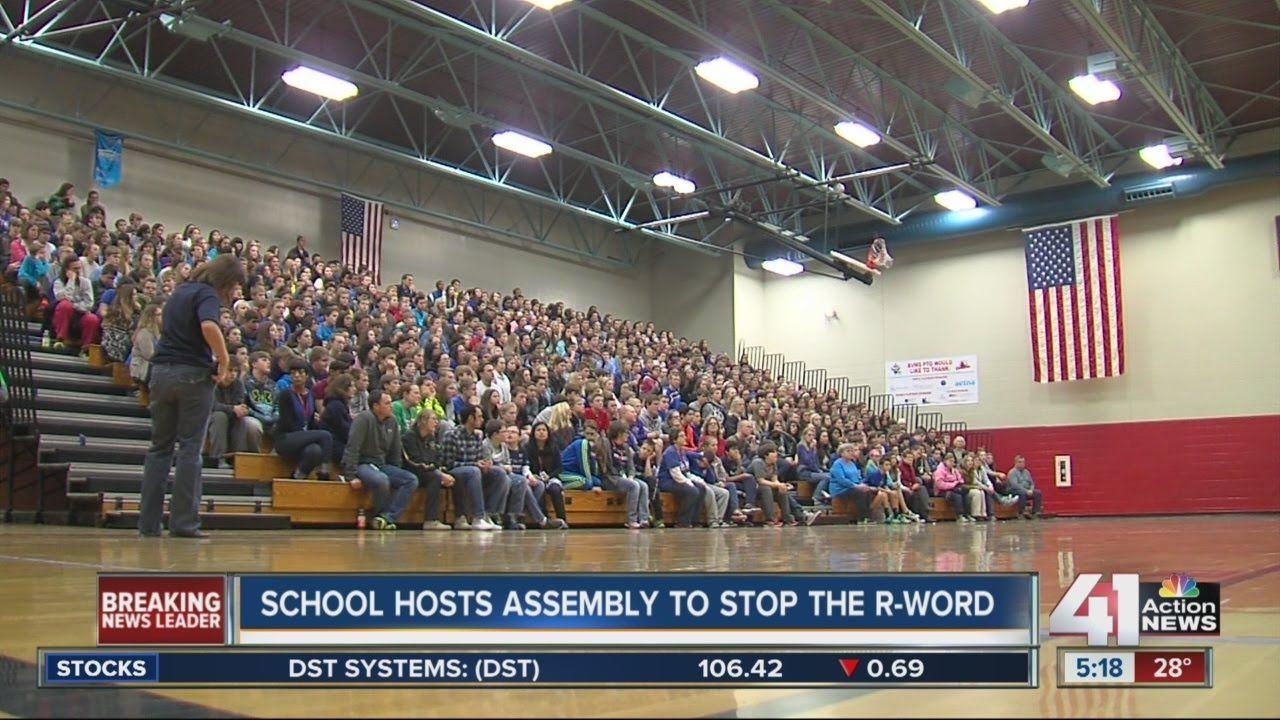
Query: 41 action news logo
1127, 608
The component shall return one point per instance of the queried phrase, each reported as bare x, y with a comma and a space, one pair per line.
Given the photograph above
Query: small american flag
1073, 283
362, 235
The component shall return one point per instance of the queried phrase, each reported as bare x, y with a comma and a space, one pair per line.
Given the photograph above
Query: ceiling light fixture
1159, 157
681, 185
1093, 89
521, 144
955, 200
727, 75
782, 266
998, 6
320, 83
546, 4
857, 133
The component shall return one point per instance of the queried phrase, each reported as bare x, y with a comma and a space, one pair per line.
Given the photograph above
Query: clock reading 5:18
1099, 667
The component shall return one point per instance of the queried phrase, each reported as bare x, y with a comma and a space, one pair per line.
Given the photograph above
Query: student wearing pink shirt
948, 482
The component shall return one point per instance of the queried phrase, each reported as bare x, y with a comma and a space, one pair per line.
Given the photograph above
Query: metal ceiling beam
430, 104
763, 63
1082, 137
947, 131
202, 95
644, 110
1136, 36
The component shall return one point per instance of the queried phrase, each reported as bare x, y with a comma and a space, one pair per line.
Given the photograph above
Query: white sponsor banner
933, 381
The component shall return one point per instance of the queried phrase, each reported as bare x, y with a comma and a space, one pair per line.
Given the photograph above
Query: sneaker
659, 525
823, 497
554, 524
812, 517
381, 523
462, 524
485, 524
512, 524
631, 526
435, 525
964, 519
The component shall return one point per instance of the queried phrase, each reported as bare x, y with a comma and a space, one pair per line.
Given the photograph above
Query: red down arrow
849, 665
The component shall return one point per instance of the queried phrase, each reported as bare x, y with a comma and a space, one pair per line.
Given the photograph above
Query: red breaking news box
162, 609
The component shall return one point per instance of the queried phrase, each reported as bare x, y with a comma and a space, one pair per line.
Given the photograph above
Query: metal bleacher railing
819, 380
19, 430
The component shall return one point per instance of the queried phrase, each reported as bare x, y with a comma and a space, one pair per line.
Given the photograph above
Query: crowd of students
505, 399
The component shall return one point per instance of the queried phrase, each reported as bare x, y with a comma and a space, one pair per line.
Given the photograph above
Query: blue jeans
497, 490
468, 497
181, 400
636, 493
306, 449
533, 500
380, 481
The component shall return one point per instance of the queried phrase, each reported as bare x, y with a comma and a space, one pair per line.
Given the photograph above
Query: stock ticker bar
1135, 667
670, 667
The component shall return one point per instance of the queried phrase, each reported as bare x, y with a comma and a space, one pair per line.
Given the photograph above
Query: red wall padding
1167, 466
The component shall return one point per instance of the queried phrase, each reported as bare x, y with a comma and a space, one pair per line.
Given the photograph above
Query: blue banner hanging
108, 149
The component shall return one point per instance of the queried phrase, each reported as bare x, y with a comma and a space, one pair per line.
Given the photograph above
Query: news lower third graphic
633, 630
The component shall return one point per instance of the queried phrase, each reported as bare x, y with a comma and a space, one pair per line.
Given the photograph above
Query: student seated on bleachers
231, 428
423, 455
1021, 484
374, 455
773, 493
948, 482
675, 477
74, 322
298, 438
847, 482
471, 465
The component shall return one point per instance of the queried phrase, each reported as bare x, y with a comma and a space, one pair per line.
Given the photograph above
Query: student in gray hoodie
374, 456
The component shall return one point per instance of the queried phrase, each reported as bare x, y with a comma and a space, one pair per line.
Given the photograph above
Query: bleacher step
63, 363
210, 521
62, 422
73, 401
95, 449
96, 384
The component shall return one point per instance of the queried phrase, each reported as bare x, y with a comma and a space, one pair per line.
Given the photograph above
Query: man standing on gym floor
190, 358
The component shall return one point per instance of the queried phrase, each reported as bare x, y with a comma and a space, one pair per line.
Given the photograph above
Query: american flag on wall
1073, 287
362, 235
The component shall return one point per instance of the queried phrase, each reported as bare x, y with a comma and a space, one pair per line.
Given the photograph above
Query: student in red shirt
917, 495
597, 414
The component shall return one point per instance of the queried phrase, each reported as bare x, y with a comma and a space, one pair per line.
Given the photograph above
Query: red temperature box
1171, 667
162, 609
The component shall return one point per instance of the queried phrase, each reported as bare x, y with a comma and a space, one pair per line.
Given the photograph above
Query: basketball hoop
878, 257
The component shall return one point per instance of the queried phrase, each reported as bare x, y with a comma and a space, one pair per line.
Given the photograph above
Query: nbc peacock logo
1179, 585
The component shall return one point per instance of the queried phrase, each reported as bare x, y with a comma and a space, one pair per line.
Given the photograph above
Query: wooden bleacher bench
319, 502
97, 357
120, 375
592, 509
260, 467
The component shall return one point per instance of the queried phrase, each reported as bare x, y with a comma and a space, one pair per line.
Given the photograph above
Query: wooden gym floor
47, 586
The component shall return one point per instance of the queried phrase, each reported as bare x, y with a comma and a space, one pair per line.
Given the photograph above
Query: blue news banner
637, 610
615, 630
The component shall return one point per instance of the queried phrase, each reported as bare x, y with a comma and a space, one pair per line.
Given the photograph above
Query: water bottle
45, 340
360, 519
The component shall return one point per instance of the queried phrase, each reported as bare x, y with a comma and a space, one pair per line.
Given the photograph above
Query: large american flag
1073, 284
362, 235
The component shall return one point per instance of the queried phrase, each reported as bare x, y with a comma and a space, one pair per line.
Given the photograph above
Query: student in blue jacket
582, 460
847, 481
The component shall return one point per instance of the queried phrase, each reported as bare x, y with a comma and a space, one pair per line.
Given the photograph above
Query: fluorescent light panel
782, 266
1093, 89
728, 75
546, 4
857, 133
681, 185
998, 6
1158, 156
955, 200
320, 83
521, 144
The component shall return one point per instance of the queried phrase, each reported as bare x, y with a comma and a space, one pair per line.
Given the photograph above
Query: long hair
222, 274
